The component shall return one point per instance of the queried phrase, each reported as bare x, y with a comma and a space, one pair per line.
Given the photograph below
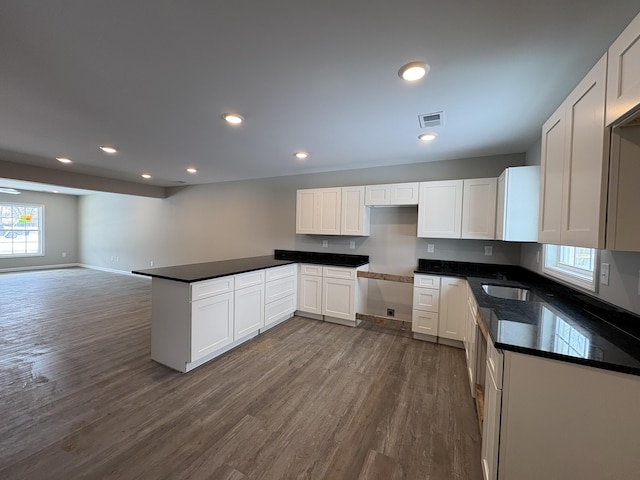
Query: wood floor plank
80, 397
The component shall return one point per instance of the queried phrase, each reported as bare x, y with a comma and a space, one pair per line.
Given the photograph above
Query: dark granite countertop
197, 272
561, 323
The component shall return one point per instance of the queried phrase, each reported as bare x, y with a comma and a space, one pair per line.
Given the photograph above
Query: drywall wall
250, 218
624, 267
60, 230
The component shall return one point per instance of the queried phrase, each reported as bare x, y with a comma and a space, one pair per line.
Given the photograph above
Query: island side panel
562, 420
170, 323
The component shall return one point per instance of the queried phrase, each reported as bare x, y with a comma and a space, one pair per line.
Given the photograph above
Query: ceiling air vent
429, 120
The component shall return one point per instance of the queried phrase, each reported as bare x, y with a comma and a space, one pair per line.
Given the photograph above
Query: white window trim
572, 276
41, 253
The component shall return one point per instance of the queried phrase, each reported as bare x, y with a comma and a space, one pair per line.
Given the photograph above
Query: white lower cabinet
453, 310
249, 311
211, 324
492, 413
439, 306
281, 294
335, 293
470, 337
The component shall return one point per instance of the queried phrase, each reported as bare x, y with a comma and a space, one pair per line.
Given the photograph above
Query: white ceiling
152, 77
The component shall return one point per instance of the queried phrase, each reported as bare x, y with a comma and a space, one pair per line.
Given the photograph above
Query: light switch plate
604, 273
430, 248
325, 243
488, 251
352, 244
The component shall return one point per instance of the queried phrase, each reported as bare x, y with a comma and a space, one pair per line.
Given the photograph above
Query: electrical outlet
391, 312
151, 263
488, 251
352, 244
325, 243
64, 254
430, 247
604, 274
538, 256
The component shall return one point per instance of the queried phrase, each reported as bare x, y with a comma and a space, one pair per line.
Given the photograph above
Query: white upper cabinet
574, 166
623, 80
332, 211
479, 208
392, 194
440, 209
551, 166
355, 215
517, 212
458, 208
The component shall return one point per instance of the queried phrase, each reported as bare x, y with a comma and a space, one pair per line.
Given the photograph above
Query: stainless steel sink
511, 293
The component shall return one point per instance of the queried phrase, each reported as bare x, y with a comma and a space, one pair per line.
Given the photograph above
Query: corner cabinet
623, 77
458, 209
574, 167
332, 211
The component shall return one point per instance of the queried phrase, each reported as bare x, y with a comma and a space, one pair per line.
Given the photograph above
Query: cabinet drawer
278, 309
249, 279
311, 269
280, 288
428, 281
208, 288
426, 299
339, 272
495, 362
276, 273
424, 322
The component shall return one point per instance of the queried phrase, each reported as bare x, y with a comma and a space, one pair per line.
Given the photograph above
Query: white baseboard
40, 267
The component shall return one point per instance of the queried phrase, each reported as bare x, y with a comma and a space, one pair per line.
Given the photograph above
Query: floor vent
429, 120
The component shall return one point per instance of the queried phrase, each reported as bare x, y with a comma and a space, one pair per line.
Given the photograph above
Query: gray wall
251, 218
624, 267
61, 230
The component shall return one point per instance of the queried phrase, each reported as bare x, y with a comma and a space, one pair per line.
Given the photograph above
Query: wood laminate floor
80, 397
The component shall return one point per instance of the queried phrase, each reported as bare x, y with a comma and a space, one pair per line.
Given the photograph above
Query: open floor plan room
81, 397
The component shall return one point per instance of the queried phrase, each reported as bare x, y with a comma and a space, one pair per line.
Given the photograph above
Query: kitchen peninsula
200, 311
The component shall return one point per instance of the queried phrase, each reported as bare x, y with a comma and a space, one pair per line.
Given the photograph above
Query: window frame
568, 274
40, 230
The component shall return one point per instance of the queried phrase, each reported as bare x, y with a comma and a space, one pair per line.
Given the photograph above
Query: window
574, 265
21, 231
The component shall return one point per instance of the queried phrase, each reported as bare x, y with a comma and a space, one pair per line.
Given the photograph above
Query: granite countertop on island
562, 324
197, 272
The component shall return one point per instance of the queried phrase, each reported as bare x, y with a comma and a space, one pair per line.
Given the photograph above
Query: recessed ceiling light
413, 71
233, 118
427, 137
108, 149
10, 191
192, 170
146, 176
301, 155
63, 160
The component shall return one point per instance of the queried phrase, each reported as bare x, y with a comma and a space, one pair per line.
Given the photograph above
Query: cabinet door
376, 195
440, 209
424, 322
338, 298
354, 215
329, 202
249, 311
453, 303
306, 215
211, 324
623, 78
551, 165
586, 163
479, 208
491, 428
500, 208
404, 194
310, 294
